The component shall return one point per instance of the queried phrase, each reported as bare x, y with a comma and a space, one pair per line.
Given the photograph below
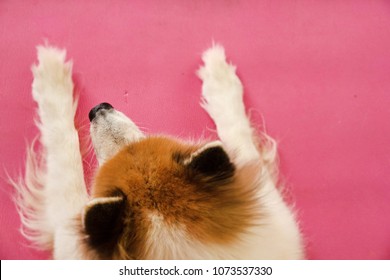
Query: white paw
52, 75
222, 90
218, 76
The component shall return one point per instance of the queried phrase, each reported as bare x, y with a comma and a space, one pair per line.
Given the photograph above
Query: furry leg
64, 191
222, 94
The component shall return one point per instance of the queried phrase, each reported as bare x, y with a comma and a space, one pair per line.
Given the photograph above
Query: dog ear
103, 219
211, 163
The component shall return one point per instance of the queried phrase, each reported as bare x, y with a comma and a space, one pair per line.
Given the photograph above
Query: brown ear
103, 219
211, 163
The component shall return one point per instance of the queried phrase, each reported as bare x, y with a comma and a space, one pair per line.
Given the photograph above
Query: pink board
317, 72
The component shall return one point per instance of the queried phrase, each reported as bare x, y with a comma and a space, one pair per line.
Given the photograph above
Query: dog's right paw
215, 65
52, 75
222, 90
217, 71
220, 82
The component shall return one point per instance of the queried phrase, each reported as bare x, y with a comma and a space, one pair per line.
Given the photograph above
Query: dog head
158, 197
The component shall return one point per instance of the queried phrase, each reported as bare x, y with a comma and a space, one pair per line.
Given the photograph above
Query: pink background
318, 72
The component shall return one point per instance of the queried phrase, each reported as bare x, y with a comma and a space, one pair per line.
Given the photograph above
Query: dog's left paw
52, 75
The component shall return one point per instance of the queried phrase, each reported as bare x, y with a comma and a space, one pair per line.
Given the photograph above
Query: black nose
94, 110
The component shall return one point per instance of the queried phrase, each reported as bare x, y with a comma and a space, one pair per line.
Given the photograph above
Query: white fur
59, 193
110, 132
166, 241
222, 93
278, 237
54, 193
29, 199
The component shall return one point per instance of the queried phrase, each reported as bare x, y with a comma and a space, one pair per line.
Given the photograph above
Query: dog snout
97, 108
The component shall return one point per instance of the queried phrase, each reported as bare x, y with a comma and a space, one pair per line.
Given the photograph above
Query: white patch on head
164, 241
172, 241
110, 131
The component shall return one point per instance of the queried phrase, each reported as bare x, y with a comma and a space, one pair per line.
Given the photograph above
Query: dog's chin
110, 131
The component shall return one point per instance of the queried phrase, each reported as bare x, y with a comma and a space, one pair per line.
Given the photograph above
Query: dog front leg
64, 187
222, 94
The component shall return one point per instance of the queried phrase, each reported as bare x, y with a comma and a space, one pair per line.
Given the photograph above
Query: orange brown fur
154, 180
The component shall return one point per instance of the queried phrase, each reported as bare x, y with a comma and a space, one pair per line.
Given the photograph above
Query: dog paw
52, 74
218, 76
215, 65
222, 90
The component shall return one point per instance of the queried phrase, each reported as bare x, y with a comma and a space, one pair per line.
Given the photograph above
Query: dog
153, 197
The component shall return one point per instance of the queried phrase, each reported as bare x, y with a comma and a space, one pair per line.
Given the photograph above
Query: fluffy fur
154, 197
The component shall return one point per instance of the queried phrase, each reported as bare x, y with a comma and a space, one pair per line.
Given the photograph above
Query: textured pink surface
316, 71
